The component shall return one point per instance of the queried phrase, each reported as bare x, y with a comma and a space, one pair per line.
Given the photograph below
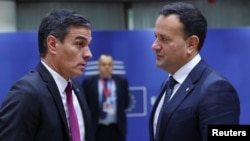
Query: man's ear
52, 44
193, 42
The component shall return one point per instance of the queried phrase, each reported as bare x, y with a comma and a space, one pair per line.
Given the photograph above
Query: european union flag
138, 102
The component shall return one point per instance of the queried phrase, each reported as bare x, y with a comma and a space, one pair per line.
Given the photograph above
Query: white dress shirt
179, 76
61, 85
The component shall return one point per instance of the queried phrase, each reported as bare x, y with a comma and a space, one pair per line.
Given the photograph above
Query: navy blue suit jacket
33, 110
204, 98
90, 86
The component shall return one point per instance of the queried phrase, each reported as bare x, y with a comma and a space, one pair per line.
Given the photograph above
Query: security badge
107, 107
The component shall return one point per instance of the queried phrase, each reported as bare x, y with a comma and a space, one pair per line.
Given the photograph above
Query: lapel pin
187, 89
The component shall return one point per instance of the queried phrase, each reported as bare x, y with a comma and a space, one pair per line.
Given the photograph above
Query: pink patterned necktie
74, 127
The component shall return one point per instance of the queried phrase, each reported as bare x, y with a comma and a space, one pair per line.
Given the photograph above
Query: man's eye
164, 39
79, 44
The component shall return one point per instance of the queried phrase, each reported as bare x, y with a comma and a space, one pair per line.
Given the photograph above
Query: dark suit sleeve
219, 105
18, 118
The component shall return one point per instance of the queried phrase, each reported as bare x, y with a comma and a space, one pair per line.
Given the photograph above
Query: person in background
200, 96
38, 105
108, 98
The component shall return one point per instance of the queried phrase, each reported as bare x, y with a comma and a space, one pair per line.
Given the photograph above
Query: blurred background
25, 15
124, 29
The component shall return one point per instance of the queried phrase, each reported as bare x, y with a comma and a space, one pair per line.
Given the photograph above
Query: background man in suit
36, 107
201, 96
108, 97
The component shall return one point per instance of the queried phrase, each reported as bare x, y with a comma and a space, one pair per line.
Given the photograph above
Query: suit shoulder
31, 78
90, 78
119, 76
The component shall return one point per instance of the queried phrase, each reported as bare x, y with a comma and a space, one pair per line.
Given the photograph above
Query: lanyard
106, 89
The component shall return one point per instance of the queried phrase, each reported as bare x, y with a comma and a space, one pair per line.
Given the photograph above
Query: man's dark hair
193, 21
57, 23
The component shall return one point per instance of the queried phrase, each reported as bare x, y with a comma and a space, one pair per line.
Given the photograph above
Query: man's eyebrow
81, 37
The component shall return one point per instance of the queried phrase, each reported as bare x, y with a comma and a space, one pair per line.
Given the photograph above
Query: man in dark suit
201, 95
108, 97
37, 107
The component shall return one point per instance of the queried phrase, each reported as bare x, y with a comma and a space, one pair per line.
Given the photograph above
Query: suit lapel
52, 87
163, 88
84, 107
151, 120
181, 94
56, 95
82, 101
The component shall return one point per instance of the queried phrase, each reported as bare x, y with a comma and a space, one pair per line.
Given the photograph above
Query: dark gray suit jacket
204, 98
33, 110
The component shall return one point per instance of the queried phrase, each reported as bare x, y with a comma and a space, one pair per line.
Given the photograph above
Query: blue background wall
227, 50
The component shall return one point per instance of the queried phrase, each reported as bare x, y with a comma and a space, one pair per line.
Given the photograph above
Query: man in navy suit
36, 108
201, 96
108, 98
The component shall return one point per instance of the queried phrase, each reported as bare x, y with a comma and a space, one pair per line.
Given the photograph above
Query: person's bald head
105, 65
